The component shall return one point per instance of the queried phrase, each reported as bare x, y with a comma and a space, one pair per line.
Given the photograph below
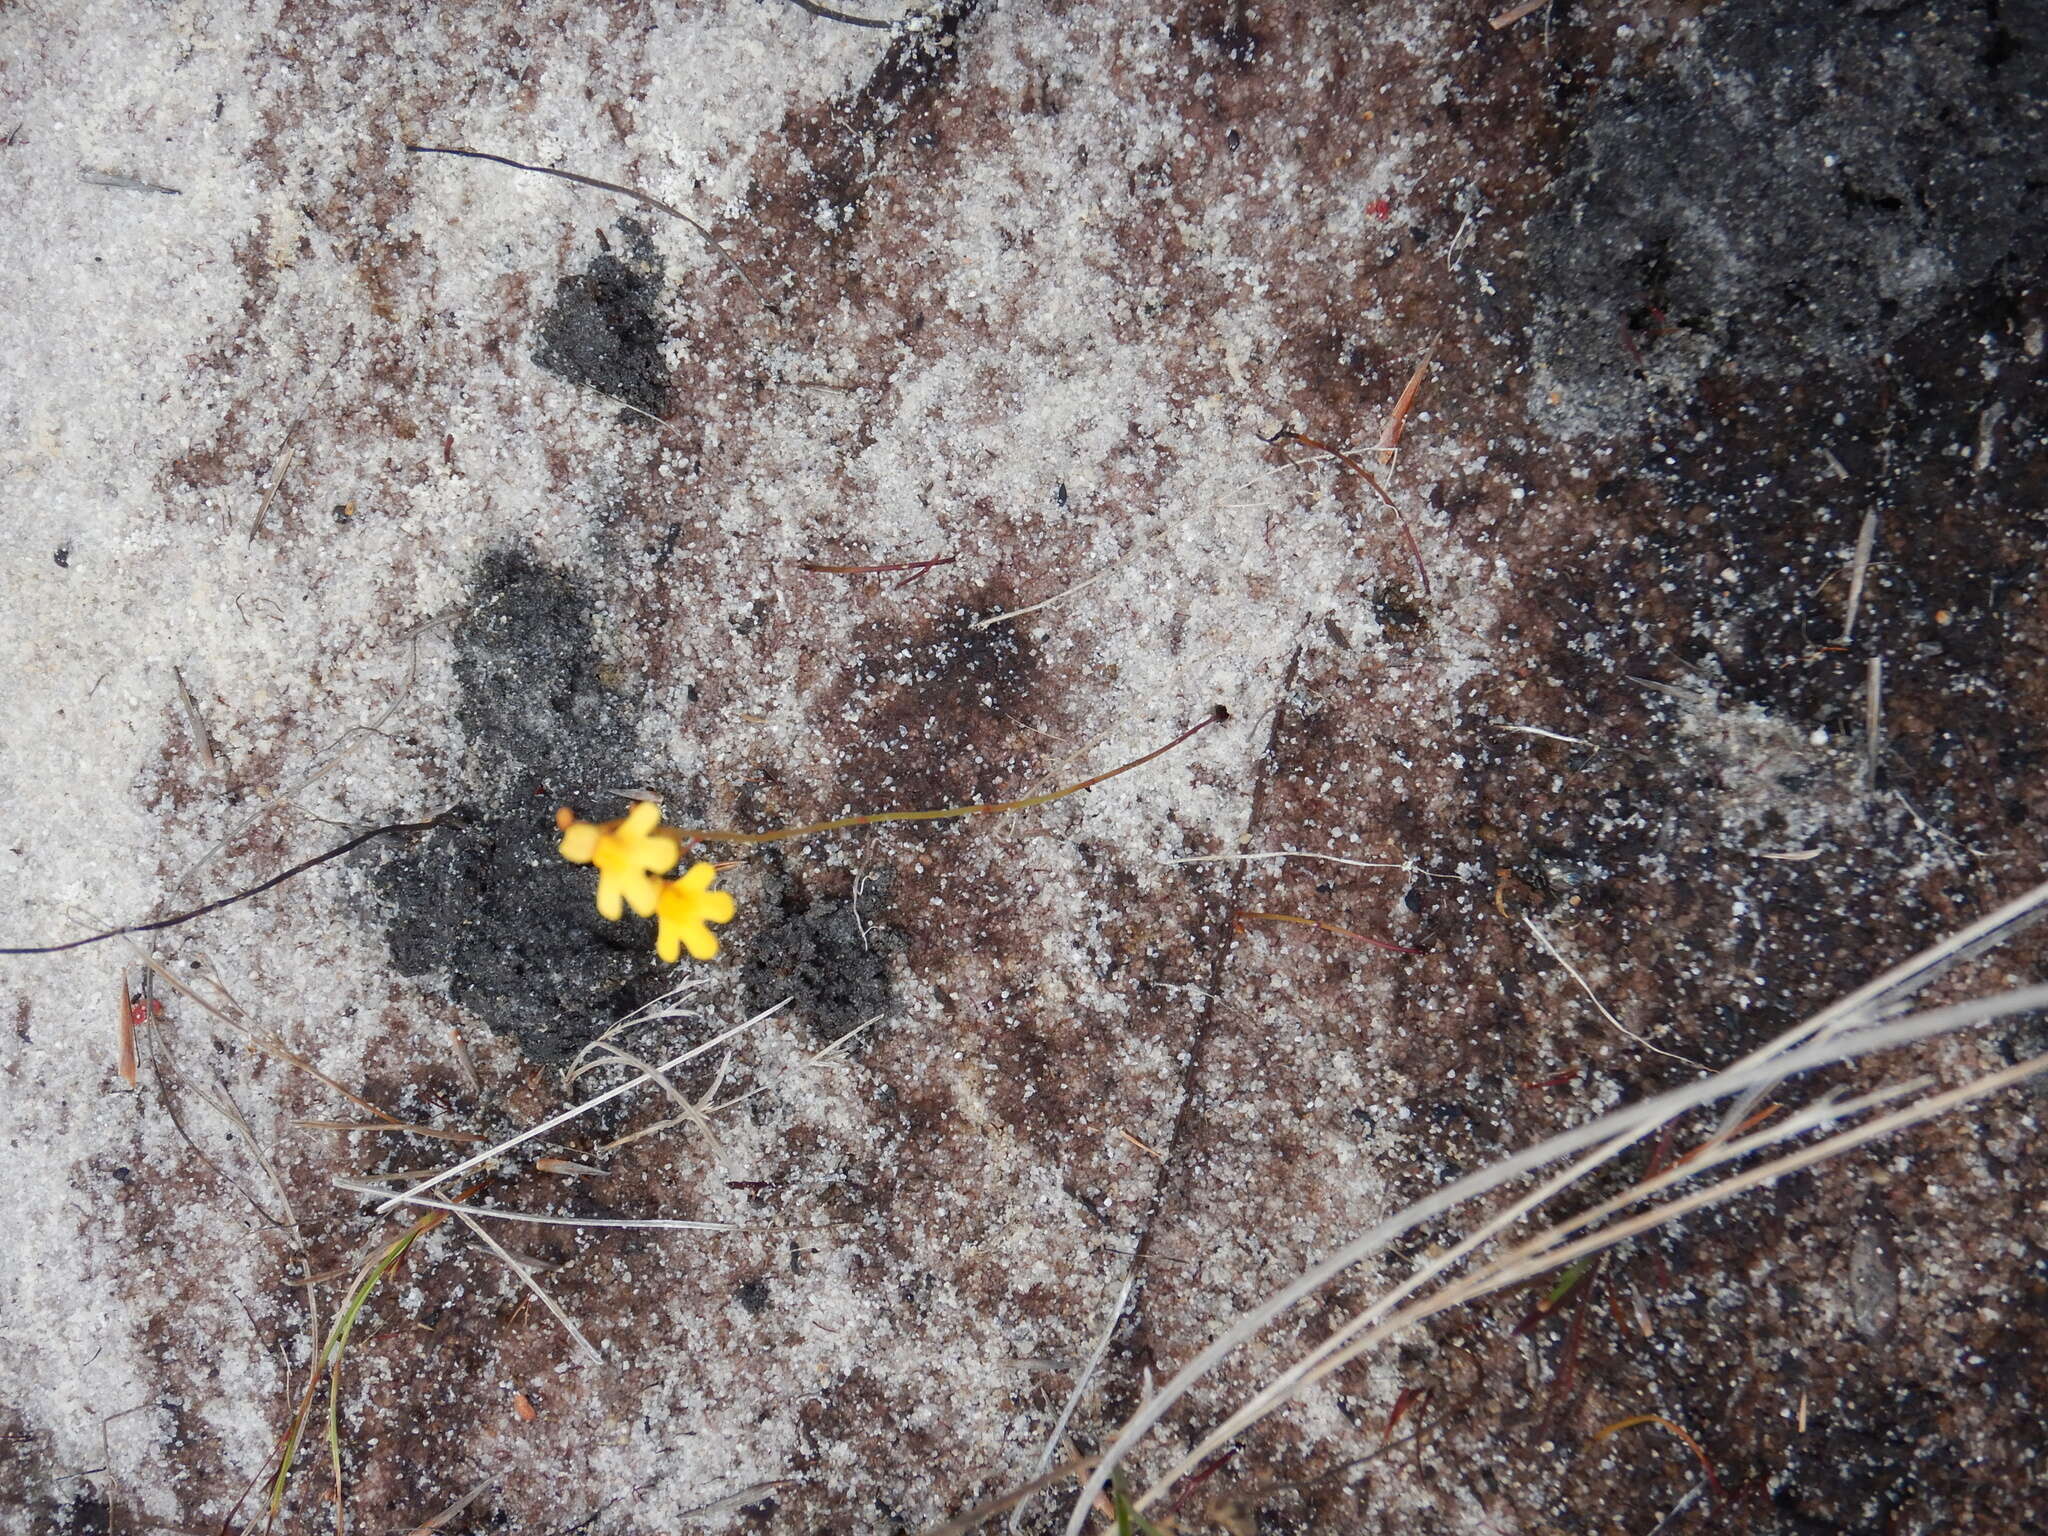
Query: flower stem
876, 818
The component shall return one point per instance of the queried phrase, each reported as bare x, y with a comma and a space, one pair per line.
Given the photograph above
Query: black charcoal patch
86, 1512
605, 328
485, 907
835, 975
539, 712
1790, 192
43, 1499
499, 923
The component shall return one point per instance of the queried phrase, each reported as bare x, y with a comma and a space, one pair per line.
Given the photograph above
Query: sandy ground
353, 487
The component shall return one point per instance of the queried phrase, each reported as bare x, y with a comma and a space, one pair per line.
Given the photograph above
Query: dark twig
228, 901
645, 199
917, 568
826, 13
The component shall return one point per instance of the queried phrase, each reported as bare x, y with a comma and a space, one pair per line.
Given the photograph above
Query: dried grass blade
526, 1279
546, 1219
579, 1109
1606, 1135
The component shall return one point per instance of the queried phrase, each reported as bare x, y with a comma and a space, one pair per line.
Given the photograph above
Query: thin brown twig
126, 1064
1239, 919
166, 1071
1633, 1420
917, 568
645, 199
1390, 438
826, 13
270, 1044
1289, 435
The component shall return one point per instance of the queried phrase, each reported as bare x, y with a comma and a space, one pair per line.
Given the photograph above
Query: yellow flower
628, 854
682, 911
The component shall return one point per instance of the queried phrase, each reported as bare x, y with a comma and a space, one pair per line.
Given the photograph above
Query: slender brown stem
227, 901
826, 13
1241, 918
876, 818
916, 567
1289, 435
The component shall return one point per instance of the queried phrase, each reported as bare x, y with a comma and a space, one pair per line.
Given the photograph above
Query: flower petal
641, 891
684, 909
662, 852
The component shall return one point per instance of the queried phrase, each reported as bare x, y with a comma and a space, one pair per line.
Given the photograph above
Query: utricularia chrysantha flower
682, 911
629, 854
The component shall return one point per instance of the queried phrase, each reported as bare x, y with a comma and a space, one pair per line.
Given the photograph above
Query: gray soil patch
485, 909
606, 326
1795, 186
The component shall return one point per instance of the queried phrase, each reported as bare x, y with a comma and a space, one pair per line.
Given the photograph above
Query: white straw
570, 1114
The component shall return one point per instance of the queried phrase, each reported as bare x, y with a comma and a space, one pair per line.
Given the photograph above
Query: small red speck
522, 1406
1380, 208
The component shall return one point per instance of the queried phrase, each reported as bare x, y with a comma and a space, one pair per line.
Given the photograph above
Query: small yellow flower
628, 854
682, 911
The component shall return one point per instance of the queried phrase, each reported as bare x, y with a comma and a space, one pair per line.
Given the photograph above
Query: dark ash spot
1794, 192
817, 957
605, 328
486, 906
